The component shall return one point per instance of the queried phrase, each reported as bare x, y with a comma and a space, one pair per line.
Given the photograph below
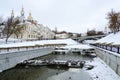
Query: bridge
82, 38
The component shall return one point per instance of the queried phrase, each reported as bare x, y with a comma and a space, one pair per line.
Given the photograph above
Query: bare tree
114, 21
12, 26
91, 33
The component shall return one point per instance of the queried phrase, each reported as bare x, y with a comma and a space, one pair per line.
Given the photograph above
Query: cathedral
32, 30
22, 18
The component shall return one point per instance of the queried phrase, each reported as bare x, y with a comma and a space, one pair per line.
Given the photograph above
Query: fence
112, 48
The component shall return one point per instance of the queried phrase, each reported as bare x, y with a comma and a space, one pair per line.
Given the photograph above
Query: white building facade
62, 35
32, 30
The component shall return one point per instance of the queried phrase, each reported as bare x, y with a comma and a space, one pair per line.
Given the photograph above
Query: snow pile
101, 71
111, 38
42, 42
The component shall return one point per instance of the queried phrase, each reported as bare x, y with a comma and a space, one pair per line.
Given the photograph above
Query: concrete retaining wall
9, 60
111, 59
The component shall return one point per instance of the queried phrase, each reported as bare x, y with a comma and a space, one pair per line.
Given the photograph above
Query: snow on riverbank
10, 40
111, 38
101, 71
41, 42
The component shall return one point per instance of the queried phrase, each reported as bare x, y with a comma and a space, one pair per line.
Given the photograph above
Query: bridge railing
90, 36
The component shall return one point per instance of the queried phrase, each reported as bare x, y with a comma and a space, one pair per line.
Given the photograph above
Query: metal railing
111, 48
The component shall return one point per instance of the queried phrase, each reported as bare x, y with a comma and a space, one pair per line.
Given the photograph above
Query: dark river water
47, 73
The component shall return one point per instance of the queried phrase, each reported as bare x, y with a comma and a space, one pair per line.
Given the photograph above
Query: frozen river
46, 73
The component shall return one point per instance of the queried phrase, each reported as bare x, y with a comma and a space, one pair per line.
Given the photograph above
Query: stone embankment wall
11, 59
111, 58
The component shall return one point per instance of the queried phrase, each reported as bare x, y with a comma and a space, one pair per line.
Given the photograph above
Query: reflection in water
45, 73
71, 74
37, 73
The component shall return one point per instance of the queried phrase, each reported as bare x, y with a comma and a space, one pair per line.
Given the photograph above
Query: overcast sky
69, 15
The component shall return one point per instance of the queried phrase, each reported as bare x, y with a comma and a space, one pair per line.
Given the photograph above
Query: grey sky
69, 15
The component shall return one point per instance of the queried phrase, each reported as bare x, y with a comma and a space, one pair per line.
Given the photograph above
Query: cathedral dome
30, 16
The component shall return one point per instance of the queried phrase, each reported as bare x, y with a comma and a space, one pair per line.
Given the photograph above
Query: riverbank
11, 59
42, 73
102, 71
41, 42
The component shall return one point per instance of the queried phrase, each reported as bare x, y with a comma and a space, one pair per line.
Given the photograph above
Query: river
46, 73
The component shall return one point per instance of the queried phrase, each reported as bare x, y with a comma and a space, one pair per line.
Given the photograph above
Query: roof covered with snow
111, 38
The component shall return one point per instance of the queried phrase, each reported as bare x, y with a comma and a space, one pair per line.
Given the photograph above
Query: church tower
22, 17
12, 14
22, 11
30, 18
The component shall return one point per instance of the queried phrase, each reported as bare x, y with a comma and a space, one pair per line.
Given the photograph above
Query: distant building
74, 35
62, 35
32, 30
45, 32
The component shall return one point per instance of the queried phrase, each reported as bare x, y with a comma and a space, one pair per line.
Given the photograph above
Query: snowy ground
41, 42
111, 38
102, 71
10, 40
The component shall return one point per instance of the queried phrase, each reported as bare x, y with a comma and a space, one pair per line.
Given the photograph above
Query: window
28, 36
